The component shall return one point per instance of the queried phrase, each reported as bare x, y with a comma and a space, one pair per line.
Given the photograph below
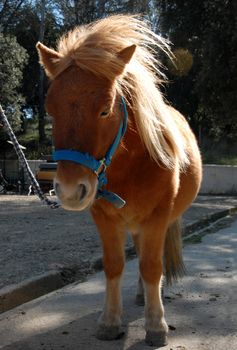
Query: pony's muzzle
82, 191
79, 194
75, 197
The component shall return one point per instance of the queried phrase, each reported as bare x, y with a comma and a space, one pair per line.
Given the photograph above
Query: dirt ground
35, 239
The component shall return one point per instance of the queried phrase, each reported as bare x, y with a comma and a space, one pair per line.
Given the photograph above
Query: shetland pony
156, 167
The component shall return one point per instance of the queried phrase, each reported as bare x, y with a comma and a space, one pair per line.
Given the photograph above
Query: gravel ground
35, 239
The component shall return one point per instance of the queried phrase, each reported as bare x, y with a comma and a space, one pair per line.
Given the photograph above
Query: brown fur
156, 168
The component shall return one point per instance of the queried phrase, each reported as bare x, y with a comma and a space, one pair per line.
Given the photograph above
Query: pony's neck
132, 141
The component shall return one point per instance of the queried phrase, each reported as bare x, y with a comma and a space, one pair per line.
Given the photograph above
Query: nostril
82, 191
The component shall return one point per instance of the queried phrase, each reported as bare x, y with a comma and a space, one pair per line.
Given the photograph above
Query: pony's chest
141, 183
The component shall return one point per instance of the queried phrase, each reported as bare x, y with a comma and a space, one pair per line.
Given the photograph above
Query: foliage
9, 13
223, 152
78, 12
12, 60
208, 29
203, 78
26, 29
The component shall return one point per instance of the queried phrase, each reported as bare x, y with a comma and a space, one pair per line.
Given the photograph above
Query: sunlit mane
94, 48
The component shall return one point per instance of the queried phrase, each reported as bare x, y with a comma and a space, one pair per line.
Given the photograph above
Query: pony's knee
151, 270
113, 266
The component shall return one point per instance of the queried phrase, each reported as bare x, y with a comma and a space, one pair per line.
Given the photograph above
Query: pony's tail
173, 260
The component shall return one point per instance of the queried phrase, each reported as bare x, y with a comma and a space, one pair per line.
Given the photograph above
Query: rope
24, 162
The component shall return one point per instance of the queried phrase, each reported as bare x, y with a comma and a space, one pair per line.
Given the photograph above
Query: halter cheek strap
99, 166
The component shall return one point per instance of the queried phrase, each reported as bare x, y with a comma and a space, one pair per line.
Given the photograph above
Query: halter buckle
101, 168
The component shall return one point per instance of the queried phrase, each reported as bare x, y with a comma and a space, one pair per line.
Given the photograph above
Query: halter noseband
99, 166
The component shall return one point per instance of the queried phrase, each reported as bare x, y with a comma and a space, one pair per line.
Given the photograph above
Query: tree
207, 29
35, 22
76, 12
42, 136
8, 13
45, 20
13, 57
217, 78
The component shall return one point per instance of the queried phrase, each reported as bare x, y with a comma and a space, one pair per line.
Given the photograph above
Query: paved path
201, 309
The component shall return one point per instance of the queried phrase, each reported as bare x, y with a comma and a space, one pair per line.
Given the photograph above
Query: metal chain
24, 162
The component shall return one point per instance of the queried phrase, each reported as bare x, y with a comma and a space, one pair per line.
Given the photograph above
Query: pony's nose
81, 191
77, 193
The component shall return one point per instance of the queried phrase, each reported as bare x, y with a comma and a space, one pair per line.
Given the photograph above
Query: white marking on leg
111, 315
154, 310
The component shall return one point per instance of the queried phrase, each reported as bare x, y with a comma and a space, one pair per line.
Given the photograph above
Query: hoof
109, 333
140, 301
157, 339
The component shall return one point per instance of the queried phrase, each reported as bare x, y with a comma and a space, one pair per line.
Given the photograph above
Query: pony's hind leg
113, 240
140, 299
151, 255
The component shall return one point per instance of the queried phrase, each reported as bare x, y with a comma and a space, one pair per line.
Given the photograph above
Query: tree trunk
76, 12
101, 8
41, 112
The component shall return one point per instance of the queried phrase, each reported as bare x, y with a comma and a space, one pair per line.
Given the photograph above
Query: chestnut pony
102, 74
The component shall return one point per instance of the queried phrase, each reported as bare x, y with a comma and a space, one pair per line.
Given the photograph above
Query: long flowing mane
93, 47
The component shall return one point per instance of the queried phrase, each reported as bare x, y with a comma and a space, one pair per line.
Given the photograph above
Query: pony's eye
104, 114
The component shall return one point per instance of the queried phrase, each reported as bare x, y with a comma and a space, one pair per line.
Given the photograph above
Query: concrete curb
32, 288
29, 289
199, 224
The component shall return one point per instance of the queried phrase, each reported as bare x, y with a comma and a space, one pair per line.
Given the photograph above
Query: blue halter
99, 166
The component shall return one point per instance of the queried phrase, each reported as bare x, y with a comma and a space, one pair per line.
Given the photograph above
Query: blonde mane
94, 47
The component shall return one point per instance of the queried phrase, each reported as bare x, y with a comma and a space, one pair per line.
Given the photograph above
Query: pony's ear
126, 54
48, 59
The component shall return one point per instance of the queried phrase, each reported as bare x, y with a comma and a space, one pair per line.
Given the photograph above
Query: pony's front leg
113, 239
151, 269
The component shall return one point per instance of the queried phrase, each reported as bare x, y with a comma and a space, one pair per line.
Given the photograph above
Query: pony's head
92, 68
86, 111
